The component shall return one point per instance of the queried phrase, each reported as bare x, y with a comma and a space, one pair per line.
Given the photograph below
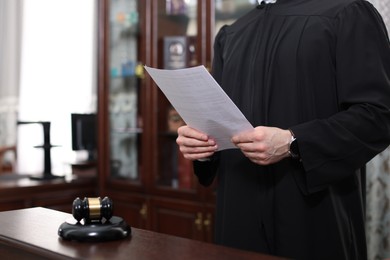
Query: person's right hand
194, 144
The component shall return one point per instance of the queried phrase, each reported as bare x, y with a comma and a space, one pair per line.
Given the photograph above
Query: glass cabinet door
124, 70
177, 30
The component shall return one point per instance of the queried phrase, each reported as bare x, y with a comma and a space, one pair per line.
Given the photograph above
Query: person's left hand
264, 145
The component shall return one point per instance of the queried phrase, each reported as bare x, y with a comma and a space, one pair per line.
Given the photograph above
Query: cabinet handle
144, 211
207, 222
139, 71
198, 221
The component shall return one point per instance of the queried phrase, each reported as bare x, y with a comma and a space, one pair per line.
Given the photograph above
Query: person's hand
194, 144
264, 145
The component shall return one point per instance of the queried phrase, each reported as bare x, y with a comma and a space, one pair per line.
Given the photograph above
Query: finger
198, 149
245, 137
260, 159
258, 156
191, 142
198, 156
189, 132
246, 147
198, 152
252, 147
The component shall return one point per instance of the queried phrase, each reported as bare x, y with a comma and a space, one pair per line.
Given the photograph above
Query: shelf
127, 130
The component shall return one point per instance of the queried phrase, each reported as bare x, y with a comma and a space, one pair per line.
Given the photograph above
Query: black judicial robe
321, 68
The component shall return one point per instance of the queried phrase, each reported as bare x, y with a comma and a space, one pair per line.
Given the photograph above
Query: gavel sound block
93, 221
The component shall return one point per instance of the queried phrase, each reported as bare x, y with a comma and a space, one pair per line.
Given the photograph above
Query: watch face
294, 148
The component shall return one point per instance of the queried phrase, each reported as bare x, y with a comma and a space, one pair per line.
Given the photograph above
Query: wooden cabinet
184, 218
139, 164
131, 206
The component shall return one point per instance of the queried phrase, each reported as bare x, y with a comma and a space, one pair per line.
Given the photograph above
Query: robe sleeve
335, 148
207, 170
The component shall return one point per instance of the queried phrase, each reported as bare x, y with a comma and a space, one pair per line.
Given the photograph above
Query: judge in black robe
320, 68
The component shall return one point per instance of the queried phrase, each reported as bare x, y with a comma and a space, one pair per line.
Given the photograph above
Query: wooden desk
32, 234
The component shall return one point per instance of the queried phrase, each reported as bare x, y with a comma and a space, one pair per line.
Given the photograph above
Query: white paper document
201, 103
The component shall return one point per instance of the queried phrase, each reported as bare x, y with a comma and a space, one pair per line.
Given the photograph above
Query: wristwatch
293, 148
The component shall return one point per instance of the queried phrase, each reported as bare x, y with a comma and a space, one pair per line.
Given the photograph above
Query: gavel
92, 209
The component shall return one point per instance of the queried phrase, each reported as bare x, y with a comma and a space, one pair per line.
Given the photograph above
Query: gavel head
92, 209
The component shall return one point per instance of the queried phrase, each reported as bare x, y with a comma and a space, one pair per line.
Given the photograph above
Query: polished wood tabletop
32, 233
